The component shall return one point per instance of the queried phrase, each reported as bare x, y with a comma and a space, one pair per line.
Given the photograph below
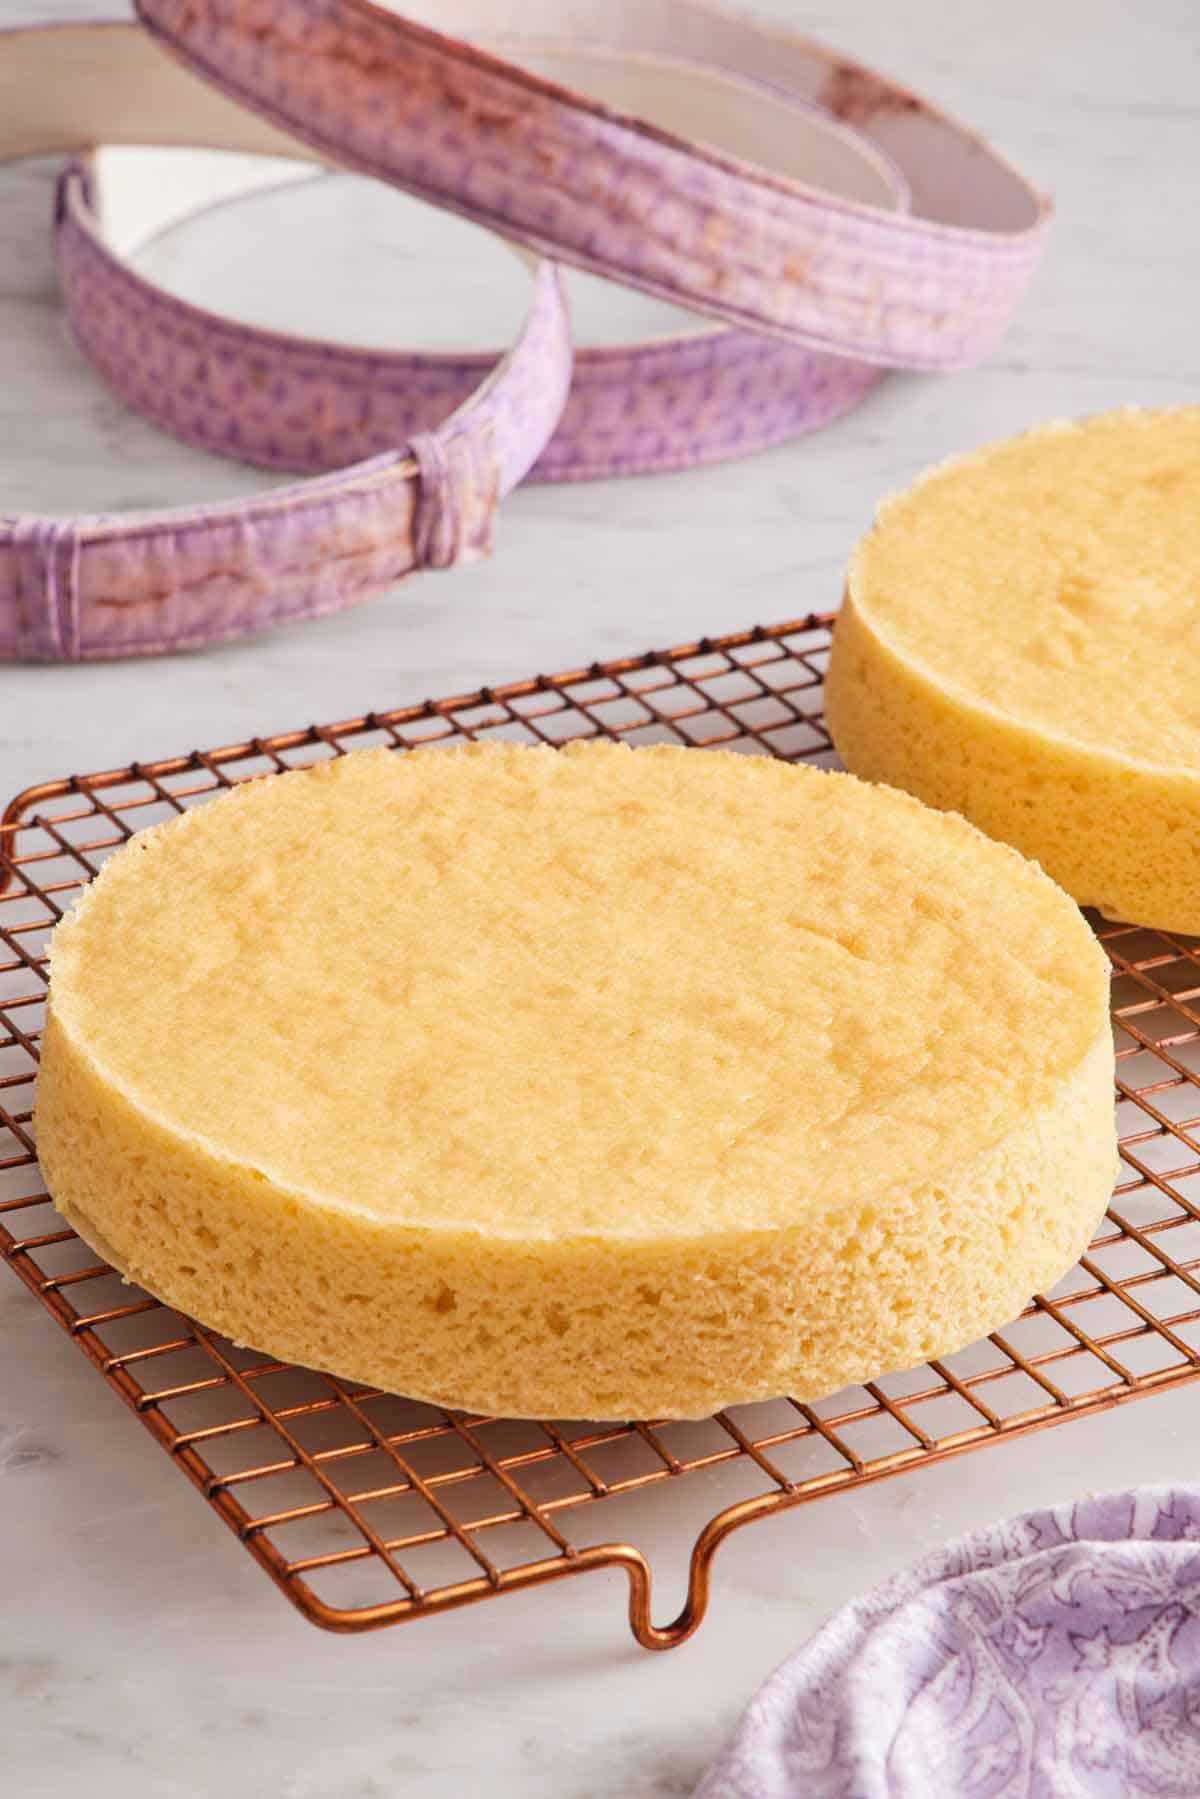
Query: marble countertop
141, 1651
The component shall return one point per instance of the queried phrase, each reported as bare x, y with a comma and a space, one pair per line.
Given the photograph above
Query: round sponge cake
602, 1082
1020, 642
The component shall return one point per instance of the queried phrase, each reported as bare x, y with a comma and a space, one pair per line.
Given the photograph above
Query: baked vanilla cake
602, 1082
1020, 642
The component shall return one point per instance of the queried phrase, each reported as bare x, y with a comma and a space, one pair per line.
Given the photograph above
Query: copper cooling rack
366, 1509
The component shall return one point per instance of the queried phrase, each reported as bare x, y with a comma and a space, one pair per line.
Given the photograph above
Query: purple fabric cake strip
285, 402
95, 586
594, 186
1057, 1654
229, 388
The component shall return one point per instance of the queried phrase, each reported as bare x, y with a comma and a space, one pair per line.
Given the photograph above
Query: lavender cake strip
75, 587
286, 402
611, 193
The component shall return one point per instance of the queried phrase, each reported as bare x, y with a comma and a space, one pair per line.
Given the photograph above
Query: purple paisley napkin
1056, 1656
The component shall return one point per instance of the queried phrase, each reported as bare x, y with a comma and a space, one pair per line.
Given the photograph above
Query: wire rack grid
367, 1509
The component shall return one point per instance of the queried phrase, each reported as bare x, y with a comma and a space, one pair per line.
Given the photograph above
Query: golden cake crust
1019, 642
600, 1082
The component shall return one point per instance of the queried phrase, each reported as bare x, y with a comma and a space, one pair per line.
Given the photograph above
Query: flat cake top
631, 993
1055, 578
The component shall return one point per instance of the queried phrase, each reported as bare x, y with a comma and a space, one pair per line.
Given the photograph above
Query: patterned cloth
1056, 1656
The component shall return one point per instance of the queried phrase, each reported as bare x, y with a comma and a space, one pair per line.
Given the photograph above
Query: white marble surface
141, 1652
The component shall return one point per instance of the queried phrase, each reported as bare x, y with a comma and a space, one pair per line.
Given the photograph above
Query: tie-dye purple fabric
1055, 1656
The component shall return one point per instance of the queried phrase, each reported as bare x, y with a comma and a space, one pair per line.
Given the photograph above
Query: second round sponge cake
1020, 642
599, 1082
